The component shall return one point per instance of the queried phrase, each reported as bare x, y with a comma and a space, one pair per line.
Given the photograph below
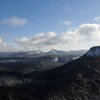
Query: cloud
89, 30
4, 47
66, 22
97, 19
14, 21
39, 41
84, 36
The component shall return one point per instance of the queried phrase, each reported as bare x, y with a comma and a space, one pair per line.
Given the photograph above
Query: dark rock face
76, 80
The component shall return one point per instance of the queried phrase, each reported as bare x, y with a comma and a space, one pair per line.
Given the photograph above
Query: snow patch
55, 60
95, 51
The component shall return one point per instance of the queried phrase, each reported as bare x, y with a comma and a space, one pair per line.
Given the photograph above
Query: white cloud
84, 36
40, 41
66, 22
97, 19
14, 21
89, 30
4, 47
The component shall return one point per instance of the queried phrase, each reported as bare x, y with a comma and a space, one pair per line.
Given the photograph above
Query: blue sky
27, 18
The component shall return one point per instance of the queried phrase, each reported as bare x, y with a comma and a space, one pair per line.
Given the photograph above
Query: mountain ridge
41, 53
76, 80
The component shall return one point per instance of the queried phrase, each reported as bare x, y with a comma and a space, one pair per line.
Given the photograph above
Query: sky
27, 25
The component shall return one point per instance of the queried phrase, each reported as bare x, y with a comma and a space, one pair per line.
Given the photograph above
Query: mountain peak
94, 51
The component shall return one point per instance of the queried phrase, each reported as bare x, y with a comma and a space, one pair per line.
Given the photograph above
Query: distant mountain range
41, 53
36, 60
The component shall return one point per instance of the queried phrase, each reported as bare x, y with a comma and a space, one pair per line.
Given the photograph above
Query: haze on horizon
28, 25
